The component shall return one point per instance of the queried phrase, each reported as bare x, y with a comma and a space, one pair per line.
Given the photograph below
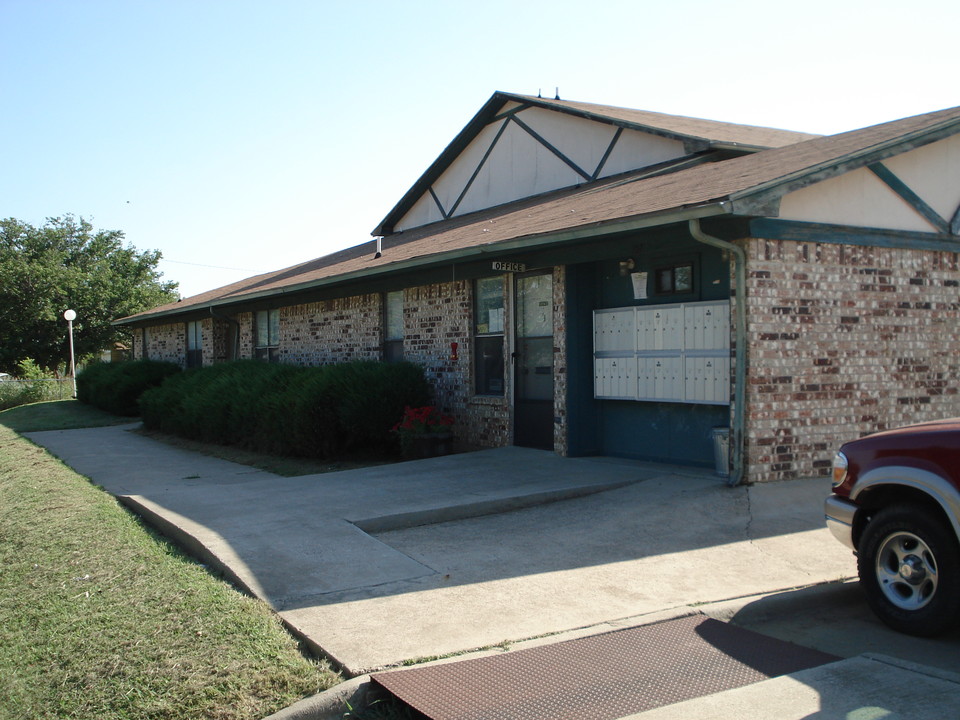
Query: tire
909, 567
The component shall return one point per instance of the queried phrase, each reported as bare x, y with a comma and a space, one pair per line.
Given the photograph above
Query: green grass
57, 415
100, 618
22, 392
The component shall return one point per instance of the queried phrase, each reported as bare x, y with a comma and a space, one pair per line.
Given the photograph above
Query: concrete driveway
519, 543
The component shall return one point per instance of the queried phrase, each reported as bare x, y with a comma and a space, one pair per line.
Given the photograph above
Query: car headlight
839, 469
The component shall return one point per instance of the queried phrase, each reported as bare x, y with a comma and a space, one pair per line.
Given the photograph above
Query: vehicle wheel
909, 566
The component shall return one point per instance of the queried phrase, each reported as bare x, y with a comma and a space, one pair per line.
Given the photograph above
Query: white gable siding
933, 173
519, 165
862, 199
450, 185
857, 198
583, 141
637, 149
424, 211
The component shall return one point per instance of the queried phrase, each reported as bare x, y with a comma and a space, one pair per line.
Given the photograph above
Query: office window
488, 336
194, 344
393, 326
674, 280
268, 335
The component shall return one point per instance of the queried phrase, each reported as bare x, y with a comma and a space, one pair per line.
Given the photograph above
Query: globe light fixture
70, 316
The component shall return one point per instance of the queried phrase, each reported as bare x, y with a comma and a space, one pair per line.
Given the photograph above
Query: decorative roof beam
483, 160
543, 141
606, 155
512, 111
910, 197
745, 202
443, 212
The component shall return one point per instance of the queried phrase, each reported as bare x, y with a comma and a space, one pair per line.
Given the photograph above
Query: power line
215, 267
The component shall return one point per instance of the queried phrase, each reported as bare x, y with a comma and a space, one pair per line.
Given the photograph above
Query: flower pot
426, 446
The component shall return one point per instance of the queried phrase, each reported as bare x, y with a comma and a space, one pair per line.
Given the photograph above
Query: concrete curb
182, 539
466, 511
331, 704
759, 607
933, 672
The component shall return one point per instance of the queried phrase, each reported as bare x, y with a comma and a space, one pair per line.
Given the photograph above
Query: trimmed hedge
323, 412
117, 387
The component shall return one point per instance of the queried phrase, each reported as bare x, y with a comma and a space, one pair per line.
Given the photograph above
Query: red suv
896, 502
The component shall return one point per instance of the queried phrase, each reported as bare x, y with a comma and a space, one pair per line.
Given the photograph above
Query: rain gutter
740, 379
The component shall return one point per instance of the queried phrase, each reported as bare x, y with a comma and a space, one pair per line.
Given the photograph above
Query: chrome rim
907, 571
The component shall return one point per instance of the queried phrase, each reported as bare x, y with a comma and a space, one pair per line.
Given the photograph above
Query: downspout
236, 331
740, 379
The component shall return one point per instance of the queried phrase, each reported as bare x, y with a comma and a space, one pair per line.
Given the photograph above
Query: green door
533, 362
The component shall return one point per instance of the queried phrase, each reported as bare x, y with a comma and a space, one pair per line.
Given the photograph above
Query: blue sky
239, 137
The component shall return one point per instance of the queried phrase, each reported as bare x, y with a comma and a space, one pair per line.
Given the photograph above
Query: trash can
721, 450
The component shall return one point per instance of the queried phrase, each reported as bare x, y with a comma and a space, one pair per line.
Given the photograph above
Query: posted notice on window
639, 285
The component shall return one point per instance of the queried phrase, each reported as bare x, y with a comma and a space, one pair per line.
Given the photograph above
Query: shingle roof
597, 207
684, 128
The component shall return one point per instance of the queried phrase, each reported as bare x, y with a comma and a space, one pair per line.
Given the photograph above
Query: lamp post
70, 316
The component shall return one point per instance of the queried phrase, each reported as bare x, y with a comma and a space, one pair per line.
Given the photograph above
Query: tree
67, 264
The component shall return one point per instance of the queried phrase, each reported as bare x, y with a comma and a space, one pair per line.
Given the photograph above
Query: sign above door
513, 267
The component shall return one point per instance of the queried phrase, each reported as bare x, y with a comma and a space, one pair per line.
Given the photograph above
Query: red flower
422, 421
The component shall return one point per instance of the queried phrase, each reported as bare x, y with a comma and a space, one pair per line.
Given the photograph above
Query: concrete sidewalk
344, 561
524, 544
870, 687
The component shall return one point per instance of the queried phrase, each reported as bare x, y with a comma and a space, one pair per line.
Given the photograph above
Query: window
674, 280
194, 344
393, 326
268, 335
488, 335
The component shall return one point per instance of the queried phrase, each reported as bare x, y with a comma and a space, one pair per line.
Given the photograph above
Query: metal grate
601, 677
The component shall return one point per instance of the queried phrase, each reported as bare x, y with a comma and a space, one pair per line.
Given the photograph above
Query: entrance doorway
533, 361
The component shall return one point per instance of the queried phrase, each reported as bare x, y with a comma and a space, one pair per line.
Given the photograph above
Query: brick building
623, 282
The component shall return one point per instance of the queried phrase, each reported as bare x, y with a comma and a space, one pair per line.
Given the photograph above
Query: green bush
323, 412
117, 387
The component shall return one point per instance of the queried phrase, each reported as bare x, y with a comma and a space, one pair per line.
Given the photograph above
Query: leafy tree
67, 264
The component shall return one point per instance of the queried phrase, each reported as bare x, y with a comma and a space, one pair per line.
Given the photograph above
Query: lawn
101, 618
57, 415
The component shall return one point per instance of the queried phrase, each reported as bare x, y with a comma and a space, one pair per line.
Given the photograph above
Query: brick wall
844, 341
245, 341
560, 360
331, 331
164, 342
352, 329
216, 340
433, 317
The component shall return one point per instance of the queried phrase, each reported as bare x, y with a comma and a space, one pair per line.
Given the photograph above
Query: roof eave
759, 199
436, 168
558, 237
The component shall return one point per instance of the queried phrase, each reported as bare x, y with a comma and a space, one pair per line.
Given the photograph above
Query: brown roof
711, 131
599, 206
